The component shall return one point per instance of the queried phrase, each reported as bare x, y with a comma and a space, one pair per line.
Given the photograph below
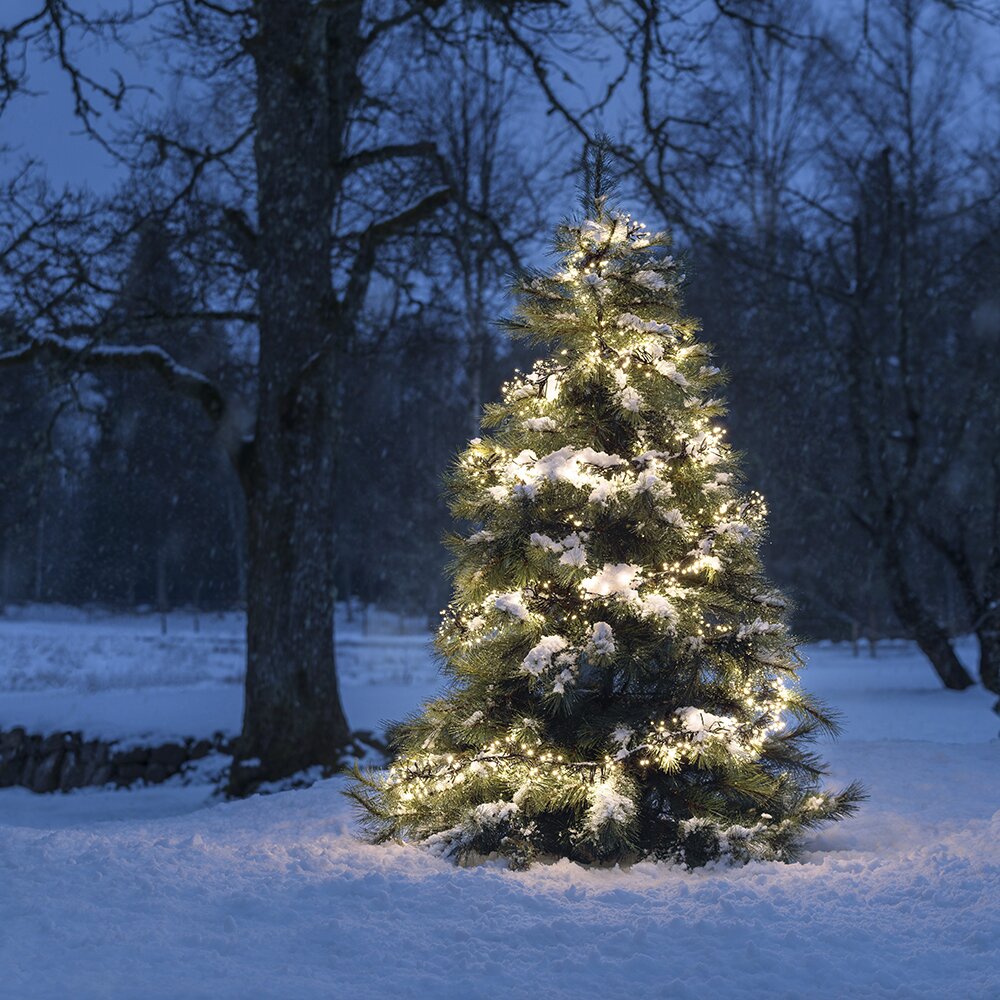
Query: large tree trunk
292, 716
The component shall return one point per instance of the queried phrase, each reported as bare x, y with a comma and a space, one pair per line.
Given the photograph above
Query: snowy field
118, 677
165, 892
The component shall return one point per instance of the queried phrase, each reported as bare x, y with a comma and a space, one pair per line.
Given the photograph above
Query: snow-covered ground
118, 677
164, 892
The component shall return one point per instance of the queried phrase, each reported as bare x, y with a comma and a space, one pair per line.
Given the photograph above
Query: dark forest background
831, 176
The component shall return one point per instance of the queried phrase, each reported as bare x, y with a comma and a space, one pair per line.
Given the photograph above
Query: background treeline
831, 176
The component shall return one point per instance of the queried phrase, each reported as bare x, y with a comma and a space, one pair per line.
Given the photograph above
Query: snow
541, 424
650, 279
492, 813
602, 640
647, 481
575, 554
735, 529
758, 627
631, 321
166, 892
118, 677
539, 658
607, 805
512, 604
675, 517
529, 471
602, 492
669, 370
658, 606
153, 353
613, 579
571, 547
593, 231
704, 725
545, 542
630, 399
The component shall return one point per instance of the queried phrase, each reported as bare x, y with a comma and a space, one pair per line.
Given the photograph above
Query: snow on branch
86, 356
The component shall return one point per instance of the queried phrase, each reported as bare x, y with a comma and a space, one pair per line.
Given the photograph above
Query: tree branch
398, 150
85, 356
379, 232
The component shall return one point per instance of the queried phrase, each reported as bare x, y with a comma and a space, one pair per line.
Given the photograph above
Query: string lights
623, 683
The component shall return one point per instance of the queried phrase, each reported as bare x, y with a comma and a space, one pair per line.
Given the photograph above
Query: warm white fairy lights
547, 608
686, 736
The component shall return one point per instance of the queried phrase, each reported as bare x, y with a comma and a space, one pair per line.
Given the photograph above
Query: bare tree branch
87, 356
392, 151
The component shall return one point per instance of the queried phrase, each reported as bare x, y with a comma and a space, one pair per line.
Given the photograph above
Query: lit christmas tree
623, 685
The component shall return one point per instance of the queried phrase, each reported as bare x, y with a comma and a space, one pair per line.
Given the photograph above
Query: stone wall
63, 761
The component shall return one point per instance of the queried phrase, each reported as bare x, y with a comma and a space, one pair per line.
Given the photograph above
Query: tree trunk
476, 351
927, 633
40, 547
988, 634
936, 646
5, 574
161, 586
292, 715
233, 511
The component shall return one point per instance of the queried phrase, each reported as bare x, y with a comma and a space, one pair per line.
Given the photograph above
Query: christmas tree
623, 683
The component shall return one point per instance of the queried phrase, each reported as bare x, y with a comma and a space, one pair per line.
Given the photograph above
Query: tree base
248, 775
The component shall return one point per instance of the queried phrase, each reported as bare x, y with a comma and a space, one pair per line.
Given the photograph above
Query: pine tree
623, 683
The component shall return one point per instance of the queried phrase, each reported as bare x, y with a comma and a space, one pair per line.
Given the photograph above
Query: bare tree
961, 520
839, 186
307, 177
476, 117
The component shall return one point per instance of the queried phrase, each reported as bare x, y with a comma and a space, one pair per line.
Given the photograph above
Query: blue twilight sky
43, 126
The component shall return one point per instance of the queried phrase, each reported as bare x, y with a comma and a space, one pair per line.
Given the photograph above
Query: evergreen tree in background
623, 685
153, 524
